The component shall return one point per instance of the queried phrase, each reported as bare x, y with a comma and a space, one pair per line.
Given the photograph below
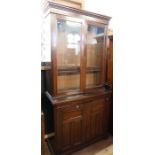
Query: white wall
100, 6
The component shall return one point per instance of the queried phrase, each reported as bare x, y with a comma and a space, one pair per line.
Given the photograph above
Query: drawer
97, 105
71, 112
94, 106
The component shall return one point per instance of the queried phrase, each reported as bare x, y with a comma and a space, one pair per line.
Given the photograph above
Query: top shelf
76, 68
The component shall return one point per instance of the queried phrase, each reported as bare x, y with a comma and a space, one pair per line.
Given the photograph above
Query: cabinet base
50, 142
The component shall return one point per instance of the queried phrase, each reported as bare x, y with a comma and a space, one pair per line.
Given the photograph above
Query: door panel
66, 137
76, 132
71, 126
94, 119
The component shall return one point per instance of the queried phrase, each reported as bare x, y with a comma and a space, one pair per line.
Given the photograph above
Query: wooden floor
104, 147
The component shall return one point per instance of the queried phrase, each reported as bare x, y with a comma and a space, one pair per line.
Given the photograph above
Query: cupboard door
76, 132
71, 133
66, 137
94, 119
71, 127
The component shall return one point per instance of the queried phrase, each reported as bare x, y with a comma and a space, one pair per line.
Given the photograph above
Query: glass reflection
68, 40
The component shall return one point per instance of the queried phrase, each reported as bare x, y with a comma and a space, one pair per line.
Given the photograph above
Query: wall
100, 6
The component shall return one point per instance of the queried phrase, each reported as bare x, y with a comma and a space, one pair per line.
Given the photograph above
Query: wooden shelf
93, 69
76, 70
68, 70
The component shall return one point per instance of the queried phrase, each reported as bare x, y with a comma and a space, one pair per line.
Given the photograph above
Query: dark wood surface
79, 121
81, 115
76, 15
53, 56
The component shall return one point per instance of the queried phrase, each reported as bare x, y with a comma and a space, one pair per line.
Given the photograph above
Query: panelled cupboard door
71, 134
94, 119
71, 131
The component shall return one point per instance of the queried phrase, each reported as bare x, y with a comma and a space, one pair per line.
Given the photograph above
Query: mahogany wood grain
53, 55
78, 122
81, 113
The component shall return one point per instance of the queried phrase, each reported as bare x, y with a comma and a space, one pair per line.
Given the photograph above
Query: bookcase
80, 93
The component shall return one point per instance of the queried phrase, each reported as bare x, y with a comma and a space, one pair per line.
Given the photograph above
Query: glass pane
68, 41
66, 82
93, 79
95, 38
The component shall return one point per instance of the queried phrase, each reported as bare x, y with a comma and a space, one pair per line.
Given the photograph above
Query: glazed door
78, 54
95, 55
69, 45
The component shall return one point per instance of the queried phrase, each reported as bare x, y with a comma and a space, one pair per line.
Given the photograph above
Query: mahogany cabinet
76, 43
80, 120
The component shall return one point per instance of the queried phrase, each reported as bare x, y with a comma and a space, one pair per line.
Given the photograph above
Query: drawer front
72, 112
97, 105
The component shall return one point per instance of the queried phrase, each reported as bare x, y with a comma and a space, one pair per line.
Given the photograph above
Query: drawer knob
77, 106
